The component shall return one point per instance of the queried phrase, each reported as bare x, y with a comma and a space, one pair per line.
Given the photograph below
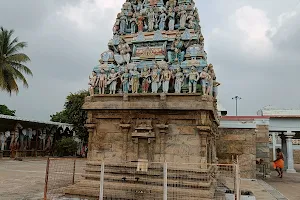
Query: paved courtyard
289, 185
24, 180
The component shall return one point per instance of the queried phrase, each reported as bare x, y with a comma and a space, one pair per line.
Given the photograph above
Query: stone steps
183, 175
152, 167
153, 181
153, 172
135, 191
182, 183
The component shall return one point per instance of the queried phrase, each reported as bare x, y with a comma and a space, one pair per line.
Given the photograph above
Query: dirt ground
23, 180
289, 185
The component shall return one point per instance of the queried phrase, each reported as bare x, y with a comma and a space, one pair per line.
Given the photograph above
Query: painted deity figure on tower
193, 79
145, 75
216, 84
212, 74
140, 5
151, 20
93, 83
162, 20
171, 17
197, 20
155, 79
205, 81
171, 4
133, 24
176, 54
183, 17
124, 50
179, 77
112, 81
102, 81
191, 20
123, 23
140, 22
166, 77
135, 80
117, 25
125, 80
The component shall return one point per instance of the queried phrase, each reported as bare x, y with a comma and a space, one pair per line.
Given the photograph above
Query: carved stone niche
142, 136
143, 130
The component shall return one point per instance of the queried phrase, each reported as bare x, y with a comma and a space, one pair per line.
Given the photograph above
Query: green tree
12, 62
4, 110
60, 117
73, 114
66, 147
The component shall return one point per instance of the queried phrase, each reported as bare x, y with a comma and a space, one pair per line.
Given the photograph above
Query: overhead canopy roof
8, 123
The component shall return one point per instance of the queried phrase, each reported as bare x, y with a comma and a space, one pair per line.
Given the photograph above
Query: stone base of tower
196, 184
153, 128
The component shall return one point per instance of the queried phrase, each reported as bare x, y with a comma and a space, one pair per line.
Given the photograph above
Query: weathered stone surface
177, 129
241, 143
297, 156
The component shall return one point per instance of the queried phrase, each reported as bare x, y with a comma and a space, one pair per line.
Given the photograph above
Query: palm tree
12, 62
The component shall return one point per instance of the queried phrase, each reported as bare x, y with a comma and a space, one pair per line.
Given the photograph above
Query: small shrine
153, 99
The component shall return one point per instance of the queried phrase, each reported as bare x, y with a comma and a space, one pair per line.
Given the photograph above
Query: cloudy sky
253, 44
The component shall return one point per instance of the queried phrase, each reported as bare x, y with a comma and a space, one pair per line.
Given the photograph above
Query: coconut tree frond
15, 48
8, 82
20, 67
5, 37
18, 58
20, 77
12, 44
12, 68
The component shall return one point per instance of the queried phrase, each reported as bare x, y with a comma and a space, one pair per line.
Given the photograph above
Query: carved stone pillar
290, 152
284, 149
163, 131
204, 132
215, 159
125, 130
91, 129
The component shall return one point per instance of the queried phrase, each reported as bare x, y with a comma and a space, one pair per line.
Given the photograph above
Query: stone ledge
155, 96
151, 101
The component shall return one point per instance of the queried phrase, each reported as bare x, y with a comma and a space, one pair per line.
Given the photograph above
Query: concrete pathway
22, 179
289, 185
25, 180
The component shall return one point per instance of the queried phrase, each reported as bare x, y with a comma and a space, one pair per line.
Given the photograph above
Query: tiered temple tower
153, 99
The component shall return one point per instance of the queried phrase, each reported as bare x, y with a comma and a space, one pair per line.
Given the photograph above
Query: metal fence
144, 180
61, 173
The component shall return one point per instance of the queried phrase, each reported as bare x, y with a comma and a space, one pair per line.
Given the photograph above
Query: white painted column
274, 145
283, 149
290, 152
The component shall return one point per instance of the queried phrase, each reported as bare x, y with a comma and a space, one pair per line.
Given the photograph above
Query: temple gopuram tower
152, 100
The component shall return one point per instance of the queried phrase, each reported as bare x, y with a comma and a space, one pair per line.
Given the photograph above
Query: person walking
279, 162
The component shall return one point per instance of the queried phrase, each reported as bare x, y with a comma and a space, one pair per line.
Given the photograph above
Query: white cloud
282, 19
87, 13
254, 24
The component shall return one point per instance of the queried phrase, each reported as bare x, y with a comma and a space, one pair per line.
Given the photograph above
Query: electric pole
236, 104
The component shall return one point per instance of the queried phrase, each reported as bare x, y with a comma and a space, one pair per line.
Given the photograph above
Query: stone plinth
155, 127
141, 128
124, 182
